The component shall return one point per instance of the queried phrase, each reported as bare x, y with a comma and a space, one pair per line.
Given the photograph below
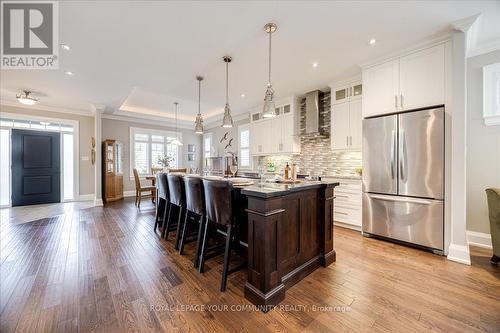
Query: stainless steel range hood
312, 113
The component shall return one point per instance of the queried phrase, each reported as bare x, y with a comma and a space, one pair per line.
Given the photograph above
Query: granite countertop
342, 177
268, 190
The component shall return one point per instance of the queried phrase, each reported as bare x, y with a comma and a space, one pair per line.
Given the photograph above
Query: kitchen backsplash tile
316, 157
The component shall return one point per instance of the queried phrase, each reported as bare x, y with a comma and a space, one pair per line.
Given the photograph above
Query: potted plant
165, 162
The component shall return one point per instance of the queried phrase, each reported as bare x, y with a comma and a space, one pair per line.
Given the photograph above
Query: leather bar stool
220, 216
162, 202
195, 212
177, 196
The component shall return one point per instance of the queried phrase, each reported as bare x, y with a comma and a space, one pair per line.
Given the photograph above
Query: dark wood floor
103, 270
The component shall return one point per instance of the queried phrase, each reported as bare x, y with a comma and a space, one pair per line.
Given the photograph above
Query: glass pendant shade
227, 121
268, 111
198, 127
26, 99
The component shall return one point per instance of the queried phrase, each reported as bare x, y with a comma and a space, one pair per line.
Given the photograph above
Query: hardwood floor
104, 270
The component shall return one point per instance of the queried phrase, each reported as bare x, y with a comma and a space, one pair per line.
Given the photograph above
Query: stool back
162, 185
176, 191
195, 197
218, 203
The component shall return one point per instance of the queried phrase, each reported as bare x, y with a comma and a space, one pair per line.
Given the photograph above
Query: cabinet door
340, 95
254, 138
422, 78
340, 126
276, 142
380, 88
355, 124
288, 134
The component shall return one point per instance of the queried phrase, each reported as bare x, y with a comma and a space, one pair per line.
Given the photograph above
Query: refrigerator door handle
393, 153
401, 199
403, 160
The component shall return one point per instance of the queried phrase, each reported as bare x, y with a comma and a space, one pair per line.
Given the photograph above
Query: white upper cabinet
409, 82
346, 125
340, 126
274, 135
355, 124
381, 87
422, 78
347, 92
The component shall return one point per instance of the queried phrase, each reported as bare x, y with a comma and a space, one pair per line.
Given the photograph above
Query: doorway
36, 167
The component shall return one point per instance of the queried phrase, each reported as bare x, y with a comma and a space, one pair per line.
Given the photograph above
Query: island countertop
269, 190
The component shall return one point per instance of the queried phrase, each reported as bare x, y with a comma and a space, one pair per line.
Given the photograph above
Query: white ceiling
137, 58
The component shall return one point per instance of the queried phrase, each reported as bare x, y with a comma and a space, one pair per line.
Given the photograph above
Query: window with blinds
244, 147
148, 146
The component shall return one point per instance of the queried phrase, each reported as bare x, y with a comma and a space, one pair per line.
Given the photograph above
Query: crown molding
490, 47
149, 120
465, 24
41, 107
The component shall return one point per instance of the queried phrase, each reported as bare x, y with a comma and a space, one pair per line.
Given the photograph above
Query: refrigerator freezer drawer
412, 220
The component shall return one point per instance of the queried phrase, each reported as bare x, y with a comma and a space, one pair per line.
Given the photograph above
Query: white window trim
242, 128
150, 132
491, 100
207, 135
76, 149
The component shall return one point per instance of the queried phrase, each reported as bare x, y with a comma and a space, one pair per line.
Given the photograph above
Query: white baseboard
459, 253
129, 193
347, 225
479, 239
86, 197
98, 202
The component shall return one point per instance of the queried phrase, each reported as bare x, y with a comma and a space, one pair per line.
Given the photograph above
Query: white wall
483, 146
120, 130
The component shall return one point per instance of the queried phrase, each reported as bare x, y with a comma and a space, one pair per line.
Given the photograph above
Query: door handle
403, 159
400, 199
393, 153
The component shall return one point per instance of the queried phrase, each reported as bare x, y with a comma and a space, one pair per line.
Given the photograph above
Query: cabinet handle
347, 140
280, 147
350, 140
396, 101
401, 100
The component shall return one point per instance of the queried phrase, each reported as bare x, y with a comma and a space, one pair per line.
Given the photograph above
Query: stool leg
198, 242
201, 265
179, 226
183, 235
159, 205
227, 257
166, 222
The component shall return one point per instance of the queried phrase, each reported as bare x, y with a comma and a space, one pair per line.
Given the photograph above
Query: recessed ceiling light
69, 73
315, 64
372, 41
65, 47
242, 95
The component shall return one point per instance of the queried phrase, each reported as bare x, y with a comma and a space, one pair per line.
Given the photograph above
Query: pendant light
268, 110
176, 140
227, 121
198, 127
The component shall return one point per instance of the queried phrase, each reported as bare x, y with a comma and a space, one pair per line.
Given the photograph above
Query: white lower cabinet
347, 204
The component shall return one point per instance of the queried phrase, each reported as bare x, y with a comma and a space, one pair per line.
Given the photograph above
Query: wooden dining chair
180, 170
139, 190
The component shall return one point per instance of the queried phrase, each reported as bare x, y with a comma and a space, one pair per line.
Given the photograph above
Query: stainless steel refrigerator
403, 177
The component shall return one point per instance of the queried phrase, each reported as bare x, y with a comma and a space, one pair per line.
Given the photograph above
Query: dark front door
35, 167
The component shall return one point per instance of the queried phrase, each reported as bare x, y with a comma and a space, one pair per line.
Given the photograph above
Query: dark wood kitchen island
290, 234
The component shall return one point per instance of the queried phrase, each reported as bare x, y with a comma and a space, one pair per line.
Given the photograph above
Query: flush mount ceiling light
198, 126
315, 64
372, 41
26, 98
227, 121
65, 47
69, 73
176, 141
242, 95
268, 110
